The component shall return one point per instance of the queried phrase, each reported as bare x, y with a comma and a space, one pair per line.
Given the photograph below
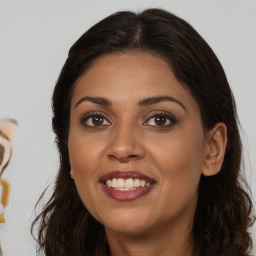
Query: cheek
83, 165
83, 153
84, 161
181, 154
180, 162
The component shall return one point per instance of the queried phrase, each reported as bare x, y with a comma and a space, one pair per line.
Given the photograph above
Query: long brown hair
224, 208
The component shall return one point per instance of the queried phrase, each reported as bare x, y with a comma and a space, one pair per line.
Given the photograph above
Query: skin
129, 137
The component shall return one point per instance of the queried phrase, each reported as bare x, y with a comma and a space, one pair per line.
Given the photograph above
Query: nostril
125, 150
124, 157
132, 156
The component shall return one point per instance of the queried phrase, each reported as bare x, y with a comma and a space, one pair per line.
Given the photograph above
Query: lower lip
126, 195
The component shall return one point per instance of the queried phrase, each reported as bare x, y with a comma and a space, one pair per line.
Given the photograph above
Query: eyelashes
95, 120
160, 120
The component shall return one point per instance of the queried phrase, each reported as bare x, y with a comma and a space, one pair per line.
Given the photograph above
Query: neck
166, 240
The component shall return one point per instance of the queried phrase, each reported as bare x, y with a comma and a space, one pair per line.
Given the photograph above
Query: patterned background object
7, 129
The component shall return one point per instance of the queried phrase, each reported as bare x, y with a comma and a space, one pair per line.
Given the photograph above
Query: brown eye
94, 120
160, 120
97, 120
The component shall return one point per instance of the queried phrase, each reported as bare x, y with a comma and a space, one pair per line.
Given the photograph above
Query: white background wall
35, 37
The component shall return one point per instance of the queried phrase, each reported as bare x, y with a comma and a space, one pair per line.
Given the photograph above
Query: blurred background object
7, 131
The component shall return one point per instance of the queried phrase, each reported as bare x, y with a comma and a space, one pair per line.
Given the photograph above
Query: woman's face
136, 144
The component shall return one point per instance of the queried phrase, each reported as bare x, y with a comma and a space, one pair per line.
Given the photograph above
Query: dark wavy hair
224, 209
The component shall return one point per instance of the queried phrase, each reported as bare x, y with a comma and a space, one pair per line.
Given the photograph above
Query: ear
71, 174
215, 149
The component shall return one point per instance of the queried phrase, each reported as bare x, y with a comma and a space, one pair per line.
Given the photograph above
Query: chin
130, 223
134, 229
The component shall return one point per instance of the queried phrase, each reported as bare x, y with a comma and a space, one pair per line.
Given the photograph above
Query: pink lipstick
125, 186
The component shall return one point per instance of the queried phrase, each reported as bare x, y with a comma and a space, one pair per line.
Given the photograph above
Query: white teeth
124, 189
129, 184
137, 183
114, 183
109, 183
120, 183
142, 183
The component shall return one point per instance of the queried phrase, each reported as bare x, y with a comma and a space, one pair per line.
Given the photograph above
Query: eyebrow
145, 102
97, 100
154, 100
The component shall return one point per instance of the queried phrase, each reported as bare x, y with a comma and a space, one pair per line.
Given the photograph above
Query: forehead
130, 76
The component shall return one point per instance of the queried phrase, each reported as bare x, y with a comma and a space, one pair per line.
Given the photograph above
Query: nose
125, 145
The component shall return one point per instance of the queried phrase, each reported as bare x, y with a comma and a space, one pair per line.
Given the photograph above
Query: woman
150, 151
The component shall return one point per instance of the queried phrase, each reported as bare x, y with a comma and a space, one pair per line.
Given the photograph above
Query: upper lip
125, 175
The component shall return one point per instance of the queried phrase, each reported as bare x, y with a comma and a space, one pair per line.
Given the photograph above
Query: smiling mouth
125, 186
